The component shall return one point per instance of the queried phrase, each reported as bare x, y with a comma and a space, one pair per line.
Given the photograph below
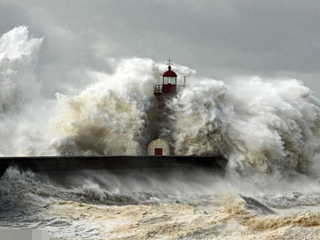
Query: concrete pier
56, 165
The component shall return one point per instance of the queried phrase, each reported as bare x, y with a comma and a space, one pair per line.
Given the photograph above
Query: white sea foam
267, 128
260, 125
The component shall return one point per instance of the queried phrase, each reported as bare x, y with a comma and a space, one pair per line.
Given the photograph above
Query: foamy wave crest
18, 59
199, 125
260, 125
109, 117
19, 93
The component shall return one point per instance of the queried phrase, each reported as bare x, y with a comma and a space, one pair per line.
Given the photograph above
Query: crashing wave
261, 125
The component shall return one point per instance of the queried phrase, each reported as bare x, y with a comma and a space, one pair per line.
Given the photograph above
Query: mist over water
268, 129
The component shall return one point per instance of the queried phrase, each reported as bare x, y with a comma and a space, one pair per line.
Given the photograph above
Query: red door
158, 151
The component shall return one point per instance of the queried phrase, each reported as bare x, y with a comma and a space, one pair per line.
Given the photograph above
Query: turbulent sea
268, 129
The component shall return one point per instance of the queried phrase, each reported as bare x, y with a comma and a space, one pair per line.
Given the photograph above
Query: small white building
158, 147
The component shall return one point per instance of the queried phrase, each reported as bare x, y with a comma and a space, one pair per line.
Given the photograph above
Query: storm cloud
220, 39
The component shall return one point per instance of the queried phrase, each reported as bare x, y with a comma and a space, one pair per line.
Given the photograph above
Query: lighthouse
164, 92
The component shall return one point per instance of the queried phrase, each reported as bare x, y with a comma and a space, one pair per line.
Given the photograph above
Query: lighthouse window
169, 80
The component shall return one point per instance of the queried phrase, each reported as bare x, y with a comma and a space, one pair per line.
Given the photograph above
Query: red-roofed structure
169, 83
169, 73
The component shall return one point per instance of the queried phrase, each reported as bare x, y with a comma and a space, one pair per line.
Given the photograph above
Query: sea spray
264, 126
18, 59
19, 90
107, 118
260, 125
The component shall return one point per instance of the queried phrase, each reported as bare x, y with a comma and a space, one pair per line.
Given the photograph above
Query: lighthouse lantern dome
169, 73
169, 80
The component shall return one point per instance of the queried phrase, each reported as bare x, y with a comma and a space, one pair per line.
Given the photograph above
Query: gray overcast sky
219, 39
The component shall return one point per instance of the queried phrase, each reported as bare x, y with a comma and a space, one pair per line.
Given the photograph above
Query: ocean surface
102, 205
268, 129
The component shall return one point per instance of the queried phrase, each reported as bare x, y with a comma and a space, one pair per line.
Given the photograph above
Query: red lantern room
169, 82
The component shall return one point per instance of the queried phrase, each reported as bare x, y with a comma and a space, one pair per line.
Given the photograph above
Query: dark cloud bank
220, 39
